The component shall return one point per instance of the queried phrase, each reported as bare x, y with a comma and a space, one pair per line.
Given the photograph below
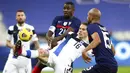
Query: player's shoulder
93, 25
76, 19
29, 26
11, 28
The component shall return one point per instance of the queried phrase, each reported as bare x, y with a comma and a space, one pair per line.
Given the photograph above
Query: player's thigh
22, 70
107, 69
29, 68
114, 69
10, 68
68, 69
52, 60
61, 68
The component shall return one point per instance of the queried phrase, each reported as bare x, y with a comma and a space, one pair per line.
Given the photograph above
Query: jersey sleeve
53, 26
34, 37
92, 28
10, 33
78, 24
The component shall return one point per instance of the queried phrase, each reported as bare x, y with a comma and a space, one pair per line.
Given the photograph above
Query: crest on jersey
65, 23
69, 23
59, 21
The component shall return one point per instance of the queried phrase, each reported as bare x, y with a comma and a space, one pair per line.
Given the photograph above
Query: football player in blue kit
101, 45
59, 25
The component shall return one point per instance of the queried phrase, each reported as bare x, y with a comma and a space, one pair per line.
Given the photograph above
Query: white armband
52, 28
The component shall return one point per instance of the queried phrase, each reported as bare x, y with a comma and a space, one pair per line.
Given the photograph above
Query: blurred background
40, 14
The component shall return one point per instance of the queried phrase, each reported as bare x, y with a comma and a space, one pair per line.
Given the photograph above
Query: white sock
24, 53
30, 53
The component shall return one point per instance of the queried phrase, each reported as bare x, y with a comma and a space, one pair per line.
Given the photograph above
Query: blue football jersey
61, 24
103, 52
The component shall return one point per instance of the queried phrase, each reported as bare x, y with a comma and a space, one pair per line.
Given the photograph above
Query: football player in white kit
20, 64
62, 55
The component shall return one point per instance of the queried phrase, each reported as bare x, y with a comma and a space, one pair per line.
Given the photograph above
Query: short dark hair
70, 3
20, 10
85, 23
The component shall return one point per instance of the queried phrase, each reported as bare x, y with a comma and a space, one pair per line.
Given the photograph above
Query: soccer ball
25, 34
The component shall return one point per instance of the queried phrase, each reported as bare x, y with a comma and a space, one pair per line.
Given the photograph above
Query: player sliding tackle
64, 54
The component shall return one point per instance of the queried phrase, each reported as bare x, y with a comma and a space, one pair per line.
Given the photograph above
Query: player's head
20, 16
94, 14
68, 9
82, 33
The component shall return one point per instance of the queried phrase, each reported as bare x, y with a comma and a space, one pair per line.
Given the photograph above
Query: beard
88, 22
67, 17
20, 22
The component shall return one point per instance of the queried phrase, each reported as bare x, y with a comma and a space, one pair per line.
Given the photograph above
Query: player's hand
86, 58
13, 47
70, 29
90, 53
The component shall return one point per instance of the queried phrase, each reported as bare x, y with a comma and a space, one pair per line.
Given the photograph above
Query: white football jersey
10, 37
20, 63
69, 49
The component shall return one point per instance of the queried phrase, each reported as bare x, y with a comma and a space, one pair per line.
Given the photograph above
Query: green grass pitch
120, 70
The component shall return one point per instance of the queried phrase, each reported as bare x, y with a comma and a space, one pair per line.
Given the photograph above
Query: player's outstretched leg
18, 48
38, 67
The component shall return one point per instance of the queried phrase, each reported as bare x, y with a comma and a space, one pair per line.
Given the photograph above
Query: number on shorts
68, 70
87, 69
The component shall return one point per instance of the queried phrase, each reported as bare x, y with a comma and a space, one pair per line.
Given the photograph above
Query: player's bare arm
49, 37
8, 44
36, 43
56, 39
64, 34
96, 41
